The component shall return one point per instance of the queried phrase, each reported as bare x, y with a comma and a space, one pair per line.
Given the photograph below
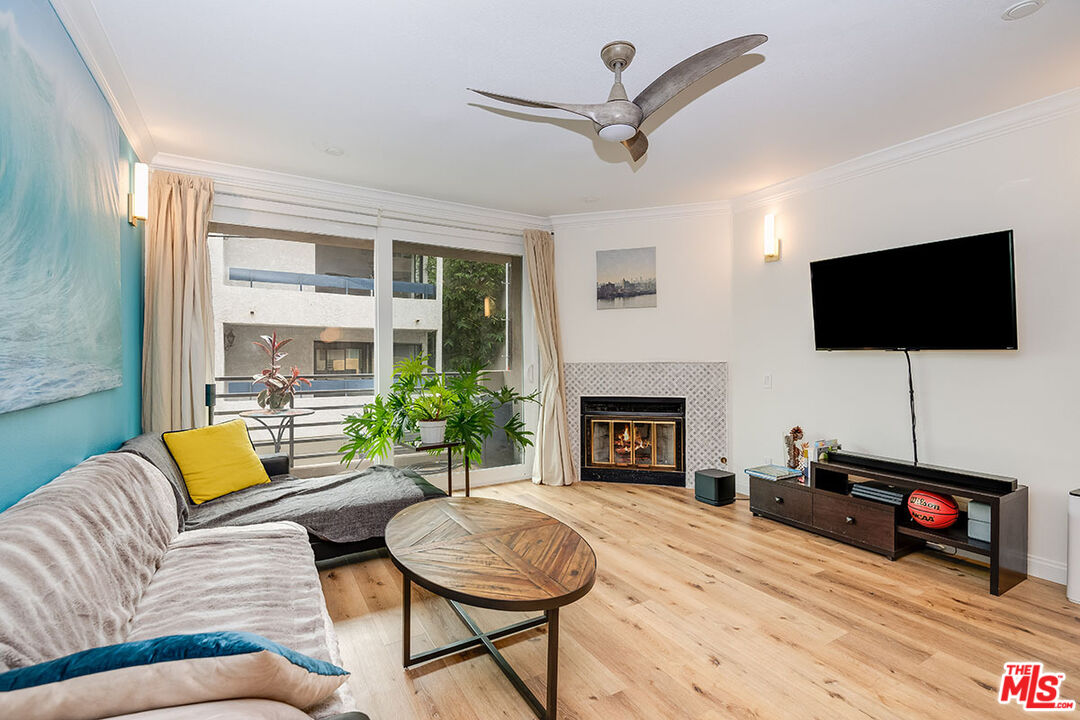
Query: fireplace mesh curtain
554, 462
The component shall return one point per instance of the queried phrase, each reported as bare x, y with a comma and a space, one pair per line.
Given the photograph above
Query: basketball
932, 510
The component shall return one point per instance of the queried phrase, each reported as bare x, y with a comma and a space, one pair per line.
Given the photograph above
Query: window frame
305, 222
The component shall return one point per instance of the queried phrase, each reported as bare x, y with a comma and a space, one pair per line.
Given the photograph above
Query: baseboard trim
475, 483
1053, 570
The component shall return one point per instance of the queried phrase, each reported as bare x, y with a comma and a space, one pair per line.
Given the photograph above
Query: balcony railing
424, 291
311, 438
315, 439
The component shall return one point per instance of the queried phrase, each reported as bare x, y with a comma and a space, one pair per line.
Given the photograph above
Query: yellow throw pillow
216, 460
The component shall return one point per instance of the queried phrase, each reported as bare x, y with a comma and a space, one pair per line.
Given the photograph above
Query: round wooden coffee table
497, 555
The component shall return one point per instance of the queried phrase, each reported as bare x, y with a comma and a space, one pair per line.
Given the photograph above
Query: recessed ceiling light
333, 150
1022, 9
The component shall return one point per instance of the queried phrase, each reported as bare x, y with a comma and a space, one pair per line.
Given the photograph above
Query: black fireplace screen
632, 439
627, 442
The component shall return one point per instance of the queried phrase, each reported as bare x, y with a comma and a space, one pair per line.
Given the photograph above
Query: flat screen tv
949, 295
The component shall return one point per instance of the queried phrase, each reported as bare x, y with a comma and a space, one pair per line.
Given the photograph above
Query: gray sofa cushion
344, 508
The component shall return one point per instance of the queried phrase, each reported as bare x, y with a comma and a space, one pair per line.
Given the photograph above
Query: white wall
691, 320
1009, 413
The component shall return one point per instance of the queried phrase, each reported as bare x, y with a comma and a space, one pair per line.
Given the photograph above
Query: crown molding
296, 194
83, 26
663, 212
1028, 115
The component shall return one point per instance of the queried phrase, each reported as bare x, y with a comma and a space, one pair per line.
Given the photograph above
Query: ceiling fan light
617, 132
1022, 9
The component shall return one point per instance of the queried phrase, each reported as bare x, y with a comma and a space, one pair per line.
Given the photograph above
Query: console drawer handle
849, 520
779, 500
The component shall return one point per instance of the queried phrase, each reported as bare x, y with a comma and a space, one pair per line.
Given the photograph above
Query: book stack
820, 449
817, 451
879, 491
774, 472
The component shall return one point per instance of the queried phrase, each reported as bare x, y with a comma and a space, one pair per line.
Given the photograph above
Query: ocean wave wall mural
60, 216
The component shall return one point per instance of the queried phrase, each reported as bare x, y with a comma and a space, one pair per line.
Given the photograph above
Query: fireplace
633, 440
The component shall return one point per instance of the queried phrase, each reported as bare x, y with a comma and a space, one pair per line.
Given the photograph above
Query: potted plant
455, 407
429, 409
278, 389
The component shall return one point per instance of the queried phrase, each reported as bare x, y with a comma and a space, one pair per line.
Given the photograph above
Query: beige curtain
178, 318
554, 462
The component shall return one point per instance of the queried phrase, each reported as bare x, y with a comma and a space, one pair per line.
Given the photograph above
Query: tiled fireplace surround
704, 385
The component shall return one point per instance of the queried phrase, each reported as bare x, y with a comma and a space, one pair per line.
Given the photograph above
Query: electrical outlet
767, 381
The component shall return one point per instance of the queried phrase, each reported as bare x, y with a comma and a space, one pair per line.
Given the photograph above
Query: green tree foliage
469, 337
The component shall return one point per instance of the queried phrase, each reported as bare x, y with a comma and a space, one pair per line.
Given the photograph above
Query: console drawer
866, 522
781, 499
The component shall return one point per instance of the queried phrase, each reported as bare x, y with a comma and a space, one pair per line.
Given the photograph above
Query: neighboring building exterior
332, 327
321, 296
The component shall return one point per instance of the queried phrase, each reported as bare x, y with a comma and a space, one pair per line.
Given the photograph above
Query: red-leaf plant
279, 388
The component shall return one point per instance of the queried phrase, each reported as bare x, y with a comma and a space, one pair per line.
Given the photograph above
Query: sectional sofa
96, 557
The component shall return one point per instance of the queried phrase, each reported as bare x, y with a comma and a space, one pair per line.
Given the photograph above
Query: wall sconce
139, 197
489, 306
771, 245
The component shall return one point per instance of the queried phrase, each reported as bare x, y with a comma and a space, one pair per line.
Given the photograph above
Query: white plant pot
432, 432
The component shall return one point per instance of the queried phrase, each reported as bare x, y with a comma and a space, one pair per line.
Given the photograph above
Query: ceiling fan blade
693, 68
637, 145
588, 111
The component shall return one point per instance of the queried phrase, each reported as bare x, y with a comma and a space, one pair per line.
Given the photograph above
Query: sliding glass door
354, 307
317, 290
475, 320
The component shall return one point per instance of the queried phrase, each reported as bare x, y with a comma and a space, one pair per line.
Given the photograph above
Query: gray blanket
341, 508
152, 449
350, 507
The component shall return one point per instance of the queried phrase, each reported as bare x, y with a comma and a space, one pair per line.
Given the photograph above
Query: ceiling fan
618, 119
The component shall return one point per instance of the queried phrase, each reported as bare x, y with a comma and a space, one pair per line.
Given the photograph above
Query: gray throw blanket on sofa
341, 508
349, 507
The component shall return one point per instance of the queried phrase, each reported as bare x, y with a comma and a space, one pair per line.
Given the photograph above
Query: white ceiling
272, 83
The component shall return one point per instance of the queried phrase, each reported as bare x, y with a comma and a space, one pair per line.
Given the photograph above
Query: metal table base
486, 641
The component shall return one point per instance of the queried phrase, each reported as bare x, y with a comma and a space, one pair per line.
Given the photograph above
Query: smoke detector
1022, 9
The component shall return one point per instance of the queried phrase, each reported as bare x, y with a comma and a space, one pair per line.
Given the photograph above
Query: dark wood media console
826, 507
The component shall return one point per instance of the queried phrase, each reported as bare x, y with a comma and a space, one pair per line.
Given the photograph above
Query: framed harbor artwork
626, 278
60, 216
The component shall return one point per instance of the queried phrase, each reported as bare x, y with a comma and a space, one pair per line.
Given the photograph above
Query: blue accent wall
39, 443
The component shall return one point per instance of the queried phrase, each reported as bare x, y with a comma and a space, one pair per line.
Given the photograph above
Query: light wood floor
702, 612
